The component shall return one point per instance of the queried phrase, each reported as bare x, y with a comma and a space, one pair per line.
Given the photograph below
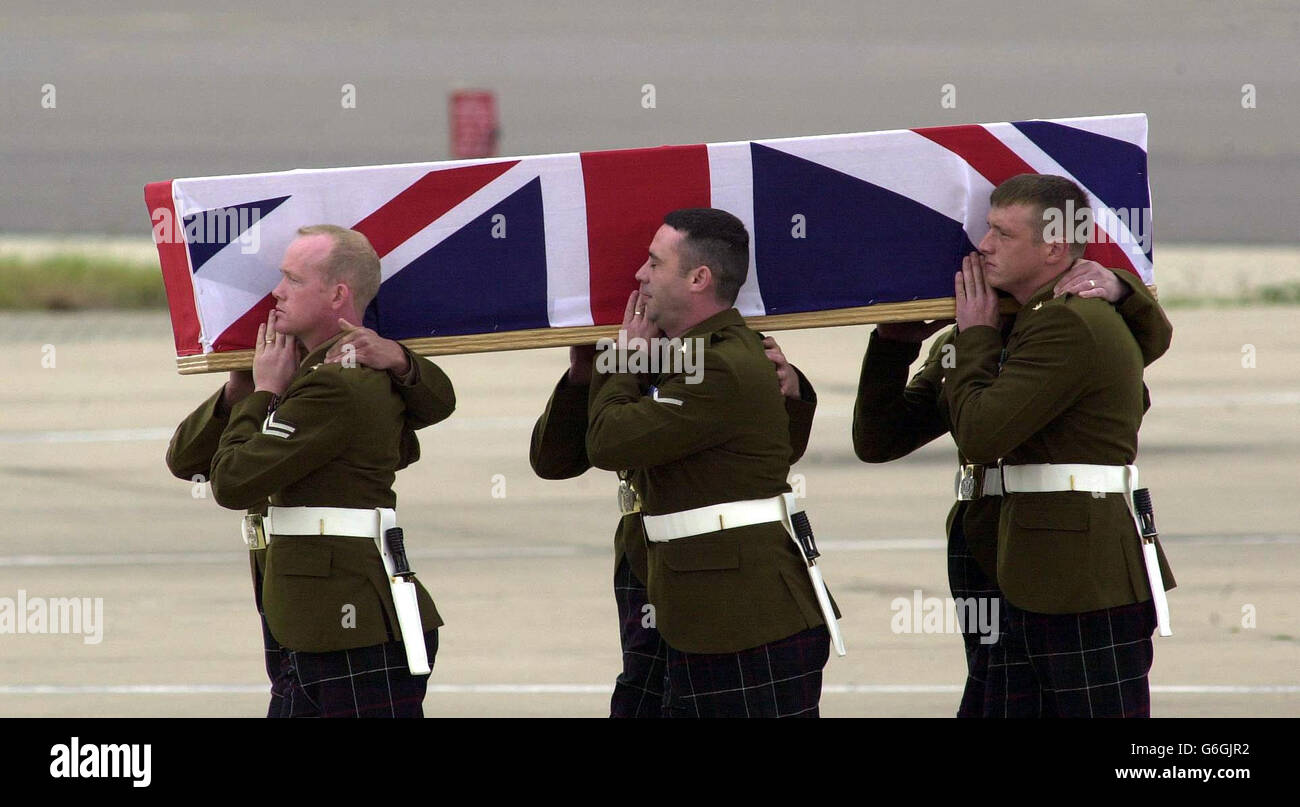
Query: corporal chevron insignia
277, 428
488, 246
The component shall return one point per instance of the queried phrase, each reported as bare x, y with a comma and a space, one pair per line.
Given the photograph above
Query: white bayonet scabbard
814, 575
408, 621
1149, 557
404, 601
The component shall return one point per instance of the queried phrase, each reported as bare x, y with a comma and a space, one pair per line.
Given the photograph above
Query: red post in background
473, 124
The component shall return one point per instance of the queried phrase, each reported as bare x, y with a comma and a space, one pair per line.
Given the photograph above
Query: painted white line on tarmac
89, 436
1167, 401
487, 423
581, 689
560, 551
164, 433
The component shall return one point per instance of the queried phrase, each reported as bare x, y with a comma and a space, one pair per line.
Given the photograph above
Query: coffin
540, 251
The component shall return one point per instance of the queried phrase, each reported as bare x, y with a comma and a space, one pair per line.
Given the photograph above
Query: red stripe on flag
628, 194
242, 333
996, 162
423, 202
178, 281
1106, 252
977, 146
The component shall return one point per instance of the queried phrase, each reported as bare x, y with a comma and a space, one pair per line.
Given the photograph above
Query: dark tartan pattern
1092, 664
777, 679
967, 580
638, 690
362, 682
274, 655
272, 651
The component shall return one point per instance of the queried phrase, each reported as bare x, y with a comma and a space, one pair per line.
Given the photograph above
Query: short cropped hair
352, 260
718, 240
1043, 192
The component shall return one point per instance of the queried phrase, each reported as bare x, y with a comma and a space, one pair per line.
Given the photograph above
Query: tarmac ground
522, 568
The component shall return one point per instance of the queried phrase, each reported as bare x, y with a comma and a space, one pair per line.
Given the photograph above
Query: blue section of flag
208, 231
488, 276
1114, 170
861, 245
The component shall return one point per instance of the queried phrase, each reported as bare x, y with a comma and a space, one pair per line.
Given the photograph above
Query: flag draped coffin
553, 241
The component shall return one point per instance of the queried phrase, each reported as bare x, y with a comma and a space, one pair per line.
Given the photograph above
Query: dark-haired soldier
746, 626
559, 451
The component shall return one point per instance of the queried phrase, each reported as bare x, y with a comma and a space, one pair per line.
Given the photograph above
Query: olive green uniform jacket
559, 451
427, 397
893, 417
1069, 390
685, 445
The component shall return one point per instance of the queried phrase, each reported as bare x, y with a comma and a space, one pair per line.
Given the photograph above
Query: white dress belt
728, 516
358, 523
1079, 477
1065, 477
711, 518
346, 521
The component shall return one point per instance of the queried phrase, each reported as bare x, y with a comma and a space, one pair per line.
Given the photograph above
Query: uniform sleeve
891, 416
190, 452
260, 454
631, 430
1145, 318
427, 392
559, 444
800, 411
994, 412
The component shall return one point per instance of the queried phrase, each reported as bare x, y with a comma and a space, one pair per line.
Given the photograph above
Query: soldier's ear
1057, 252
342, 296
701, 278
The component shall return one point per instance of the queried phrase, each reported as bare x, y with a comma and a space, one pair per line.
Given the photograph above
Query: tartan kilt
1092, 664
967, 580
369, 681
638, 690
777, 679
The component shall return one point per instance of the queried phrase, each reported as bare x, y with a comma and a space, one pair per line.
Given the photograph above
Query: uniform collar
720, 320
318, 355
1044, 293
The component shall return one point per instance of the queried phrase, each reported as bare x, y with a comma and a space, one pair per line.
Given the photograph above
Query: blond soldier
321, 443
425, 389
1059, 401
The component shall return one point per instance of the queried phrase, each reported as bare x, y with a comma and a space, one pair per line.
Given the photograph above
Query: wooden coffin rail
939, 308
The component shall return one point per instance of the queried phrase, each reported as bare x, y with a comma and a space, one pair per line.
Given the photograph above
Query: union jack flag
485, 246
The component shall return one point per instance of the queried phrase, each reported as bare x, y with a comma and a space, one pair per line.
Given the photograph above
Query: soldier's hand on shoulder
367, 348
1090, 279
785, 374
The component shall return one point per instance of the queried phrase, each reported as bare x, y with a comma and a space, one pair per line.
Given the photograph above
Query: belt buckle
629, 501
970, 482
254, 532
